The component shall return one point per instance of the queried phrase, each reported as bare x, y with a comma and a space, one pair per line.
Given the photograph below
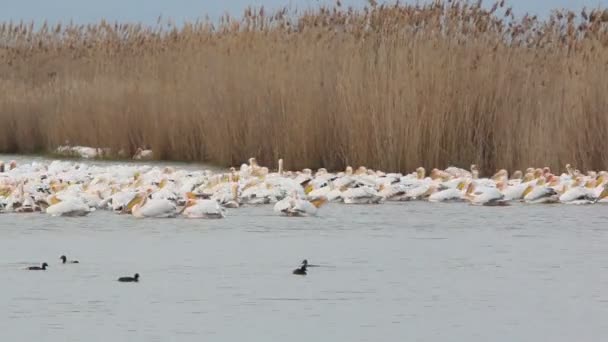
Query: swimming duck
39, 268
133, 279
64, 260
301, 270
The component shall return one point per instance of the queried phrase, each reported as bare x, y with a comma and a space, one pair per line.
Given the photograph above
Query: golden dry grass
389, 87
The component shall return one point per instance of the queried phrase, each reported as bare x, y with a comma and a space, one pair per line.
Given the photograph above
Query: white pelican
204, 208
458, 172
449, 194
577, 194
141, 154
361, 195
328, 191
141, 206
421, 191
72, 206
293, 206
514, 192
228, 195
484, 196
393, 192
119, 201
258, 194
540, 194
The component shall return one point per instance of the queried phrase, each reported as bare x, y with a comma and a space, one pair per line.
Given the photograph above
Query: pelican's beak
308, 189
528, 190
319, 202
136, 200
162, 183
604, 193
460, 186
54, 200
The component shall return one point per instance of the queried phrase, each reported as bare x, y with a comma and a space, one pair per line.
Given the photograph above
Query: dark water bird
65, 260
133, 279
38, 268
302, 269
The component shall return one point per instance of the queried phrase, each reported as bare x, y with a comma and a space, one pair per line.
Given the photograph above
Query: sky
147, 11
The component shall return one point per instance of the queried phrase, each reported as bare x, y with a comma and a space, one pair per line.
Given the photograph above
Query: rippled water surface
393, 272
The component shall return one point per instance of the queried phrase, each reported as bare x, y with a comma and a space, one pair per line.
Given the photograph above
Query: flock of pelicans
302, 270
68, 188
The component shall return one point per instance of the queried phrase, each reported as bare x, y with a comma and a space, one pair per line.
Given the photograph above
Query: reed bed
390, 87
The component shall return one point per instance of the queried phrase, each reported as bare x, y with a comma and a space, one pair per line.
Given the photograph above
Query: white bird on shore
141, 154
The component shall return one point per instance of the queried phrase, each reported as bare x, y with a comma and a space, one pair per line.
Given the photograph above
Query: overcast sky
88, 11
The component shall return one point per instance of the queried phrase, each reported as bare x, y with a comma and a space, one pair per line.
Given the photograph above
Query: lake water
394, 272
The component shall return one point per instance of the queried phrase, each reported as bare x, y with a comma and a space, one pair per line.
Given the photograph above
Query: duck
39, 268
300, 270
64, 260
133, 279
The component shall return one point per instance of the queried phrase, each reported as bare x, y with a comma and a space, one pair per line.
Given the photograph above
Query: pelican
204, 208
72, 206
361, 195
141, 206
294, 206
141, 154
540, 194
485, 196
577, 194
449, 194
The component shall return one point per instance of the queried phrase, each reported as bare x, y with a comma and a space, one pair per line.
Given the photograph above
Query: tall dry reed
389, 87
